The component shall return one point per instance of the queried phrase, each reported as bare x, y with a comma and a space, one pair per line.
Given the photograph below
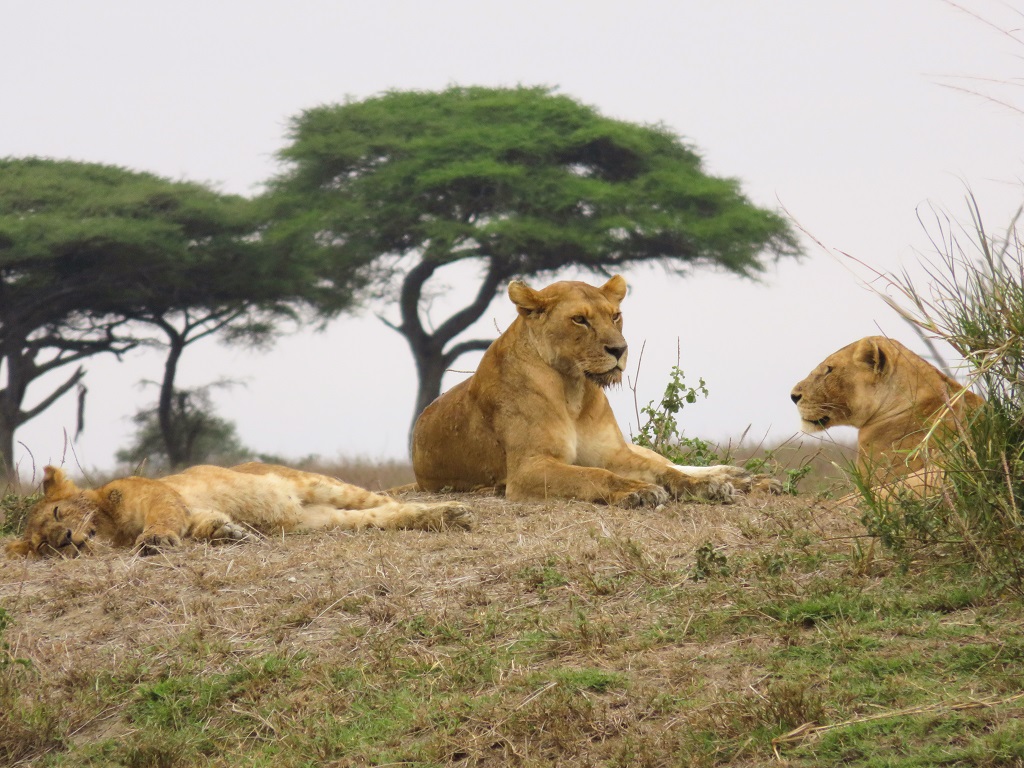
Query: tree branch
463, 347
24, 416
465, 317
409, 302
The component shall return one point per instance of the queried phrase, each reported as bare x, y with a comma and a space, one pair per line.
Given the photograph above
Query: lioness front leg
719, 483
215, 527
164, 517
544, 477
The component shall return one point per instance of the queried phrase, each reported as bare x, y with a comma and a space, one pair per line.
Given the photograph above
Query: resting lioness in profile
896, 401
213, 503
534, 417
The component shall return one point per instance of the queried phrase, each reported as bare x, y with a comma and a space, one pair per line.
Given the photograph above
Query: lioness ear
56, 483
870, 352
18, 548
615, 288
526, 299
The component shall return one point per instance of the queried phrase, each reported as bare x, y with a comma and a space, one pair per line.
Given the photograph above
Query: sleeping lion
213, 503
896, 400
535, 420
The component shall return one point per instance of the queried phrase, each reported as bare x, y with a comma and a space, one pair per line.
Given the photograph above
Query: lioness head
848, 388
575, 327
63, 523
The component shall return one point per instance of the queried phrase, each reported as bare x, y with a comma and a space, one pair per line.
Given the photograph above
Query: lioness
206, 502
534, 417
894, 399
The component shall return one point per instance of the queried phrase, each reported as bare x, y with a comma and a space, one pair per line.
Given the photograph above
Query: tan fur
534, 417
213, 503
895, 400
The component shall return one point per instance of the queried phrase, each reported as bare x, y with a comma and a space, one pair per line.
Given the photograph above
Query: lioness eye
616, 317
828, 369
56, 513
580, 320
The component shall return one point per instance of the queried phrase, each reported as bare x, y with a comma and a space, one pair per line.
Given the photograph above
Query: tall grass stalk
974, 301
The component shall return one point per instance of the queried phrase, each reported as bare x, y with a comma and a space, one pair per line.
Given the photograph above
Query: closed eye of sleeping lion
534, 417
896, 400
213, 503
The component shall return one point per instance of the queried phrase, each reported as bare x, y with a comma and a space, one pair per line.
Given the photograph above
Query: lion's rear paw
723, 492
229, 532
648, 496
441, 517
154, 543
766, 484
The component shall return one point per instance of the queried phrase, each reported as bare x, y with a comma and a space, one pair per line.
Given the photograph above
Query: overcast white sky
840, 112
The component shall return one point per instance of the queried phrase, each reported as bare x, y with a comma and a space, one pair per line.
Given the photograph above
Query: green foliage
975, 302
710, 562
524, 176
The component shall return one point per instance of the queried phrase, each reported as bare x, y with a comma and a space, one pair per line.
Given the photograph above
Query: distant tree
199, 435
86, 249
78, 243
518, 181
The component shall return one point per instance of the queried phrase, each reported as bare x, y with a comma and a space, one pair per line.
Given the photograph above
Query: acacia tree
86, 249
519, 181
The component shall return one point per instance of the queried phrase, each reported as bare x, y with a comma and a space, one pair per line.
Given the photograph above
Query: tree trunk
7, 468
176, 453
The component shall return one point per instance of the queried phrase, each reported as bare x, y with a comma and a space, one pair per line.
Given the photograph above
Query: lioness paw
154, 543
648, 496
721, 491
229, 532
766, 484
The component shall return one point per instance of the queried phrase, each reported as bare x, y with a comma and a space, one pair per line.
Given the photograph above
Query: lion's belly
268, 503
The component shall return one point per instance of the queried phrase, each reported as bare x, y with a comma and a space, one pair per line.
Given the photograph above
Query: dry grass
553, 634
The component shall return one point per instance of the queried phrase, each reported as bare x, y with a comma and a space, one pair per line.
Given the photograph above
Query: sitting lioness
534, 417
896, 401
214, 503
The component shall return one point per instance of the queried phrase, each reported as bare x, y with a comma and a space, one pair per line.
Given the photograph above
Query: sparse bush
201, 436
660, 432
14, 508
975, 303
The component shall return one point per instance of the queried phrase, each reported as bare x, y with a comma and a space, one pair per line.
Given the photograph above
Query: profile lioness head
893, 397
576, 328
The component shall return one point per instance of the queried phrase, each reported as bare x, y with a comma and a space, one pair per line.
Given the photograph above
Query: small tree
518, 181
198, 435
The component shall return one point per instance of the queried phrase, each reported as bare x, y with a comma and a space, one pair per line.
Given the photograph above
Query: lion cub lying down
534, 417
895, 399
214, 503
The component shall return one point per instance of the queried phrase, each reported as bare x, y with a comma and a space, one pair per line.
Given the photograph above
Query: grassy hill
769, 632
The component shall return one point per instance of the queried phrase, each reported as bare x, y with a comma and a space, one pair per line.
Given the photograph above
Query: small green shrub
661, 433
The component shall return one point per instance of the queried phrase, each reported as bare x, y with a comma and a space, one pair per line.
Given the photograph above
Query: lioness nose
796, 397
616, 352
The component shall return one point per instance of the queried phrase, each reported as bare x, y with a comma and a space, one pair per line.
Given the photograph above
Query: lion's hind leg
390, 515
